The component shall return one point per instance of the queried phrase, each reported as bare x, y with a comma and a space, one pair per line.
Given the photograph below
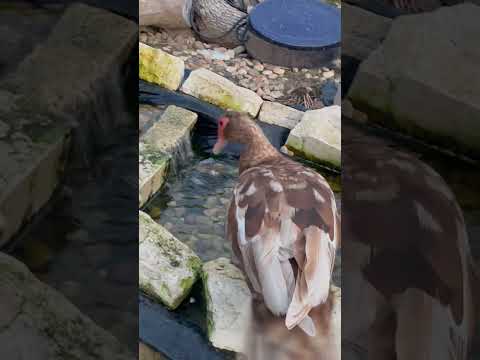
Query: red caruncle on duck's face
221, 142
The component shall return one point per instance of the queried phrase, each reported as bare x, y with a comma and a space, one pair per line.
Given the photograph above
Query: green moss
312, 158
222, 99
158, 67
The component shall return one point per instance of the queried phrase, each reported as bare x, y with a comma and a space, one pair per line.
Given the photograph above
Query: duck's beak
219, 145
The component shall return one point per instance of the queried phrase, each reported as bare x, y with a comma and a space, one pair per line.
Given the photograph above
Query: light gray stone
318, 136
159, 145
174, 126
152, 171
215, 89
159, 67
426, 88
228, 304
167, 267
38, 323
279, 114
362, 31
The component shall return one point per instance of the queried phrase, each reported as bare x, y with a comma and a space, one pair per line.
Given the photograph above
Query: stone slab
228, 304
279, 114
167, 267
215, 89
318, 136
158, 67
426, 89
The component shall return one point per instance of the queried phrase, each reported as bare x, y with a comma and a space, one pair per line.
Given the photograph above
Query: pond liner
172, 335
205, 133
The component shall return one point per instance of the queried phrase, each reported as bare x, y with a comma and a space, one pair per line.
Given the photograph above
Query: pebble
239, 49
295, 69
278, 70
242, 72
328, 74
267, 72
259, 67
308, 76
276, 94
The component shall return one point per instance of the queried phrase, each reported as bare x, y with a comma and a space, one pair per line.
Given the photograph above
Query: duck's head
235, 127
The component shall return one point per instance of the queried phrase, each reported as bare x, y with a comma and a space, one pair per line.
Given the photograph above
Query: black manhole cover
300, 33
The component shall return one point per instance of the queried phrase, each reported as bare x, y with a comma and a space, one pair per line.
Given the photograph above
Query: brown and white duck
283, 224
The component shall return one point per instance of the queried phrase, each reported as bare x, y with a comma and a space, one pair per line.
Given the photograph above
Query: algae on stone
159, 67
168, 268
215, 89
228, 301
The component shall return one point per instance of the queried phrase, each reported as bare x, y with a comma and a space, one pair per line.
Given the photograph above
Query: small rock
199, 45
267, 72
273, 76
308, 76
276, 94
328, 74
238, 50
278, 70
295, 70
259, 67
231, 69
242, 72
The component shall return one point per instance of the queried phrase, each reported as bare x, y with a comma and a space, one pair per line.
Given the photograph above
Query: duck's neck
257, 150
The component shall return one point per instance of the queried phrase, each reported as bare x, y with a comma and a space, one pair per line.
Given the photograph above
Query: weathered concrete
38, 323
168, 268
215, 89
161, 144
152, 171
426, 89
279, 114
362, 31
43, 99
228, 304
167, 134
318, 136
159, 67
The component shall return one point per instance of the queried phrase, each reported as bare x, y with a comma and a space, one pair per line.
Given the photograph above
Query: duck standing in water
283, 225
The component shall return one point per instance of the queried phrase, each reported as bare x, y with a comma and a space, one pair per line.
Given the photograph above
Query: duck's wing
318, 222
281, 214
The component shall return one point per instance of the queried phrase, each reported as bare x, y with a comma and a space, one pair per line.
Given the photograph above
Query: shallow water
193, 206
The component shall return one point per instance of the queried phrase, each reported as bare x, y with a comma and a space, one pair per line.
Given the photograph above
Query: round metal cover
298, 24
